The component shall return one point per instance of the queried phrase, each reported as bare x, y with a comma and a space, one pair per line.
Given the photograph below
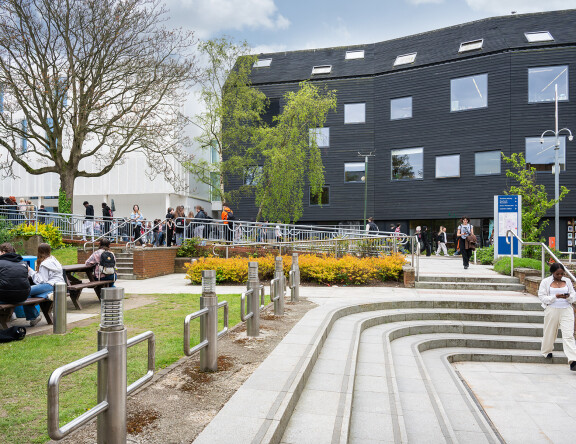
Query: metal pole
209, 322
253, 323
280, 286
112, 387
295, 274
556, 172
59, 327
365, 188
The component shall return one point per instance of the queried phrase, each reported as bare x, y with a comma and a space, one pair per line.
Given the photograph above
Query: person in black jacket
169, 226
88, 226
14, 284
426, 240
106, 217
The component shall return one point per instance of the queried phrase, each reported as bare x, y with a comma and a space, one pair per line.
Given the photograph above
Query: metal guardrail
112, 390
294, 279
278, 287
544, 249
253, 298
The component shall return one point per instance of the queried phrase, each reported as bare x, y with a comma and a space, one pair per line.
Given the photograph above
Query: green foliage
66, 255
188, 248
5, 226
503, 264
64, 204
49, 233
485, 255
291, 156
535, 202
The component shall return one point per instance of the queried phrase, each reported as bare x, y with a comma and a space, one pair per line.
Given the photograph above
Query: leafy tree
535, 202
291, 157
86, 82
232, 112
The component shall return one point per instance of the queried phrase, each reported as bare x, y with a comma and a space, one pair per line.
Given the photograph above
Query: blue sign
508, 218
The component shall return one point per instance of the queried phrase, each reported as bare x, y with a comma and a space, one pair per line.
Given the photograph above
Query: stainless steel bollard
209, 322
280, 289
295, 279
60, 311
112, 377
253, 305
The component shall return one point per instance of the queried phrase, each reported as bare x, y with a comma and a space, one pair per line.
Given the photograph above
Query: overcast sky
277, 25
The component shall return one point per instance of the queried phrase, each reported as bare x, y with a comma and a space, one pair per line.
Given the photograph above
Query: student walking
464, 231
136, 219
88, 226
442, 241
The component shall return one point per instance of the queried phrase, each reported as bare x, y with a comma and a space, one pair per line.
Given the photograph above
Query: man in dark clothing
106, 217
42, 214
14, 284
169, 226
88, 227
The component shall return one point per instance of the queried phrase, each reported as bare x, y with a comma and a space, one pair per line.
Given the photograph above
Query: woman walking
442, 241
136, 219
180, 224
557, 295
464, 231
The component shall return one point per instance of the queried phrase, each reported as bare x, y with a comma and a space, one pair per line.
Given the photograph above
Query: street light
556, 134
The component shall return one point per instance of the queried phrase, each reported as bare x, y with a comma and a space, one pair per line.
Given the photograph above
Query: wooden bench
75, 286
6, 310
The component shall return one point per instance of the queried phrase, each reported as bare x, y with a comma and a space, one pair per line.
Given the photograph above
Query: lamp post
365, 180
556, 134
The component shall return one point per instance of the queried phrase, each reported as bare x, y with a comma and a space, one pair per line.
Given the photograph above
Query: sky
281, 25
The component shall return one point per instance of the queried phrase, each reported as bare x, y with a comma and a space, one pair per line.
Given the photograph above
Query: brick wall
409, 276
152, 262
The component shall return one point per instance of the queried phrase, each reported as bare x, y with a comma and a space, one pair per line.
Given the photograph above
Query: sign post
507, 216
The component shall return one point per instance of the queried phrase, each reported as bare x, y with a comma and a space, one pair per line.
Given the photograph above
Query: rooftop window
540, 36
405, 59
472, 45
357, 54
262, 63
322, 69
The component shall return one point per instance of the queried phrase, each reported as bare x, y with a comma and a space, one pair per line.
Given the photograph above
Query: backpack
372, 226
107, 263
12, 334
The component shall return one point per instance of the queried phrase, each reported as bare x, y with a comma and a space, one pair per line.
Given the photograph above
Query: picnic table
75, 285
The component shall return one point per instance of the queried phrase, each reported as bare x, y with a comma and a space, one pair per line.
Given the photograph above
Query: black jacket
89, 212
14, 285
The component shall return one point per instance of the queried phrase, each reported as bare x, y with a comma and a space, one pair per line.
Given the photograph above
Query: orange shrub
325, 270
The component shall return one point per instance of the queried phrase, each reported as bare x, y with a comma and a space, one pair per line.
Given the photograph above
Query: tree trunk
66, 187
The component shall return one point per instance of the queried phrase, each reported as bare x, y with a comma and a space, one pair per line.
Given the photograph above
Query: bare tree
86, 82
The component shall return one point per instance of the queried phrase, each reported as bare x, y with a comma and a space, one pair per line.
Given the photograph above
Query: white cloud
210, 17
520, 6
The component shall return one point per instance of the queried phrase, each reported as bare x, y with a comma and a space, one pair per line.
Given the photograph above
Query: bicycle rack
112, 390
208, 315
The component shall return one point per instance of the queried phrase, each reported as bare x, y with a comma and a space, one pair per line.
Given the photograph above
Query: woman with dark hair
100, 271
179, 224
465, 230
136, 219
557, 294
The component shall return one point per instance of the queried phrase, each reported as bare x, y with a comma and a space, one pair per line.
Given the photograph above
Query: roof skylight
405, 59
262, 63
357, 54
540, 36
472, 45
322, 69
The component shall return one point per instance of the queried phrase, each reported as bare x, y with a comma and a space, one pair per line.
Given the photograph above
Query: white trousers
442, 245
88, 229
562, 318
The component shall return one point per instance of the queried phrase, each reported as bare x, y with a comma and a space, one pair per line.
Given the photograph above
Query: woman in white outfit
442, 241
557, 294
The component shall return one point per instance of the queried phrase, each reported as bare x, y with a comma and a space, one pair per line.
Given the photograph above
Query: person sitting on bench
102, 272
14, 285
48, 272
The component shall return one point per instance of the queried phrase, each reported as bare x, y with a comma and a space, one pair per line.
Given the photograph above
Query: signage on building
507, 216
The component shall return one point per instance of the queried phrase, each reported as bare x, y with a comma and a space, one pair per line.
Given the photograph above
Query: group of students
18, 281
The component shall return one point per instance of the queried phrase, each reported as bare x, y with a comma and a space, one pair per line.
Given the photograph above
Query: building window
214, 157
272, 110
322, 198
214, 186
408, 163
472, 45
354, 172
540, 36
541, 83
401, 108
357, 54
487, 162
321, 136
469, 92
355, 113
322, 69
262, 63
541, 155
253, 174
448, 166
24, 139
405, 59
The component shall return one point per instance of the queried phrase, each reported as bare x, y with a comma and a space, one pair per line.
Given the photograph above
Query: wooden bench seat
6, 310
74, 290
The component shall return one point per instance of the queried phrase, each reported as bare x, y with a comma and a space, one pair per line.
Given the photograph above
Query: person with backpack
371, 227
14, 285
227, 218
200, 214
104, 262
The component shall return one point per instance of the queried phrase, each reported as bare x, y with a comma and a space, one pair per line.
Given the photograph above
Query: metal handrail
243, 315
105, 235
273, 296
204, 311
144, 234
226, 313
147, 335
543, 256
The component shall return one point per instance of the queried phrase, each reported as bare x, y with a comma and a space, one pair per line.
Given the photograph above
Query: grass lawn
66, 255
26, 365
504, 266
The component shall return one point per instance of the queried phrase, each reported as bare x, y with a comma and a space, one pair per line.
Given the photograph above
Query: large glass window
401, 108
448, 166
408, 163
354, 172
253, 174
322, 198
469, 92
355, 113
541, 155
487, 162
541, 83
262, 63
321, 135
214, 186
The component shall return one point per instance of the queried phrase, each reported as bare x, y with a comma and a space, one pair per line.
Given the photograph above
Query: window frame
310, 204
539, 40
398, 99
561, 154
354, 54
566, 86
314, 132
405, 59
439, 157
252, 175
321, 69
476, 153
453, 81
355, 122
471, 45
262, 63
363, 172
403, 179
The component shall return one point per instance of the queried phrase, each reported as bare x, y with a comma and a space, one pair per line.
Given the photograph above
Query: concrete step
126, 276
470, 286
472, 279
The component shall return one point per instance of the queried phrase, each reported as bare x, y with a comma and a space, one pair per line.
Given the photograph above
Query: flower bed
348, 270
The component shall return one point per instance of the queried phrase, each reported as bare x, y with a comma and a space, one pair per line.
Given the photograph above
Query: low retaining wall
409, 276
530, 278
152, 262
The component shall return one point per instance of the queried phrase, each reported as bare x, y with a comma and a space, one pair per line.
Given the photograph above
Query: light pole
556, 133
365, 180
